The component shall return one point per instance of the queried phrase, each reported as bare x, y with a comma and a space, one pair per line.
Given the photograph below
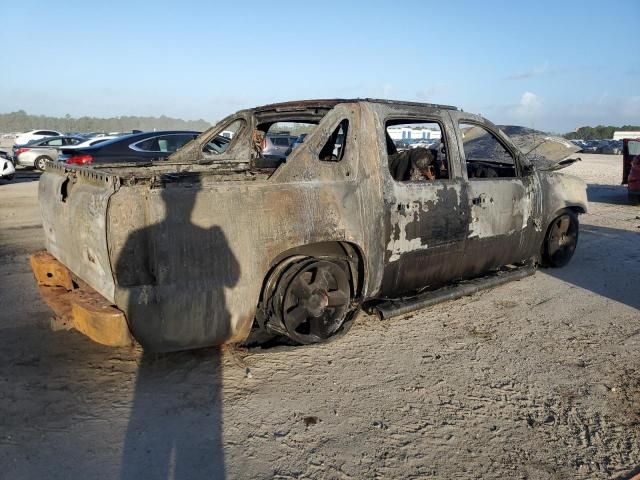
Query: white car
91, 141
26, 137
7, 170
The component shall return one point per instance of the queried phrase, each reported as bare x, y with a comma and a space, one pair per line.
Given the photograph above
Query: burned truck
384, 205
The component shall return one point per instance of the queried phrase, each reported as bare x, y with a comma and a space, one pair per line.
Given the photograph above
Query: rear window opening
333, 150
274, 142
221, 142
416, 151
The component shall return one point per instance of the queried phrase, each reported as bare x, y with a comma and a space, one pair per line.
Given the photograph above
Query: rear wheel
41, 162
561, 240
312, 300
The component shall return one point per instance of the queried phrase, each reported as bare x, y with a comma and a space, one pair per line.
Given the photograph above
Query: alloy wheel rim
316, 302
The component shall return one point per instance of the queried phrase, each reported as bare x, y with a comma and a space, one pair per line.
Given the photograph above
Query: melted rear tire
561, 240
312, 300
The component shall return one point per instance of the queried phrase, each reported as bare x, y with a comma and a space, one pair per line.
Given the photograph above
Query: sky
550, 65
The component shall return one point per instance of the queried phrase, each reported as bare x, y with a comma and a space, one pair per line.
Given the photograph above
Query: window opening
221, 141
485, 155
416, 151
334, 149
276, 141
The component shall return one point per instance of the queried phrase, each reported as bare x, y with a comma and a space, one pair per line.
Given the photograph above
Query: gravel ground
536, 379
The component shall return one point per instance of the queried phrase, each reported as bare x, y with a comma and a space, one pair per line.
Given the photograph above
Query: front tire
561, 240
41, 162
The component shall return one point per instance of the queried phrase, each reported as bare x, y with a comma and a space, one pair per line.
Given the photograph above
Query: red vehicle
631, 168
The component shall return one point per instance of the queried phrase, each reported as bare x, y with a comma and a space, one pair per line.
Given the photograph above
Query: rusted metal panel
79, 306
49, 272
73, 204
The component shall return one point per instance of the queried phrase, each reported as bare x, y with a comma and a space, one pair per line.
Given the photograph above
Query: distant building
408, 133
620, 135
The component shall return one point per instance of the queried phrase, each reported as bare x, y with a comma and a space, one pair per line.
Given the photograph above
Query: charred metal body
193, 248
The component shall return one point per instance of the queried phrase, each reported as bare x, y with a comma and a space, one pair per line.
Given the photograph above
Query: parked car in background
7, 169
581, 144
631, 168
38, 152
590, 146
277, 146
31, 135
610, 147
69, 150
137, 147
300, 139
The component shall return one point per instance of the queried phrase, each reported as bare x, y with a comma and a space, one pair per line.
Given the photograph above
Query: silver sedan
37, 153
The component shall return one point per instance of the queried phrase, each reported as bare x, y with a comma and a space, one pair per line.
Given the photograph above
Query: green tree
21, 121
599, 132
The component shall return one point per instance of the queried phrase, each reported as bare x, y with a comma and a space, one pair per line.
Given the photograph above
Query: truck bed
75, 202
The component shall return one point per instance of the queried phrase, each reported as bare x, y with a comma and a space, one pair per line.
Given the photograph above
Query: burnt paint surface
191, 240
426, 236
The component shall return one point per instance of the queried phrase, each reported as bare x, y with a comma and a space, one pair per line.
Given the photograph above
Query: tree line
600, 132
21, 121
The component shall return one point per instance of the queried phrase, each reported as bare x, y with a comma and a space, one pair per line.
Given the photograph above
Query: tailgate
73, 202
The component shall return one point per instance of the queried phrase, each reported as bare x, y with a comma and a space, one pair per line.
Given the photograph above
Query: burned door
501, 199
425, 204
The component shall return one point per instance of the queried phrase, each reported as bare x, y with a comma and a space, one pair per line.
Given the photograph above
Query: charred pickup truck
385, 205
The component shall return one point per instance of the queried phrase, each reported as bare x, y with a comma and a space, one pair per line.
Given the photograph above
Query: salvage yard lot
535, 379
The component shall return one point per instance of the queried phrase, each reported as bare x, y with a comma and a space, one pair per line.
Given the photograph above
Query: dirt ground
536, 379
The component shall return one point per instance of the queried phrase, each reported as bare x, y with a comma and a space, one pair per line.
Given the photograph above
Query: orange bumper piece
79, 307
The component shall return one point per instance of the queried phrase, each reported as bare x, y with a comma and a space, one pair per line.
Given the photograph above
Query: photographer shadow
175, 426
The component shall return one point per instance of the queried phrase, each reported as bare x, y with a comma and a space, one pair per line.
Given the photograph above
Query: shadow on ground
175, 426
610, 194
70, 408
22, 176
606, 262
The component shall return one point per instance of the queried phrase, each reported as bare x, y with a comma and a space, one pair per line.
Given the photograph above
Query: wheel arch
347, 251
575, 208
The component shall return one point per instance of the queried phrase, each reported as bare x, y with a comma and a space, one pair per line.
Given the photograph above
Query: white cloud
529, 105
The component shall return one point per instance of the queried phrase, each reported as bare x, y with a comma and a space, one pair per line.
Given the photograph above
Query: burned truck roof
330, 103
313, 110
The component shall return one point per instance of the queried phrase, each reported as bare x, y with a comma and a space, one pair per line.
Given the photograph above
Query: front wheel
561, 240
